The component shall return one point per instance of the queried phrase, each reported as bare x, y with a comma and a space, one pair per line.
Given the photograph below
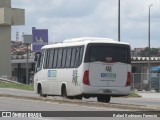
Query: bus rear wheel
78, 97
104, 98
75, 97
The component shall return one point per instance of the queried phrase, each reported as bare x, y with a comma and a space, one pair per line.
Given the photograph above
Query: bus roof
82, 41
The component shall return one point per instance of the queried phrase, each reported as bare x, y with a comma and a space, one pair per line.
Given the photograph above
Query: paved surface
9, 104
144, 94
12, 104
147, 99
18, 92
148, 94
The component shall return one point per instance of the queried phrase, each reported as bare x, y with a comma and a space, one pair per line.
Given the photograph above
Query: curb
130, 107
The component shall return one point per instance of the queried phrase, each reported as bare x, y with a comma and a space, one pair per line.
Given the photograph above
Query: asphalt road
30, 106
146, 101
11, 104
135, 101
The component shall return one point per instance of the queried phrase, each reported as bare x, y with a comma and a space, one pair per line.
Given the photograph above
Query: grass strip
16, 86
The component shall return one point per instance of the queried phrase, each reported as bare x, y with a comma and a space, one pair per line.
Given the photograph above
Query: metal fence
141, 82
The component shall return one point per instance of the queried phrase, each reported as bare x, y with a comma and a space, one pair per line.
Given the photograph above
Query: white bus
84, 67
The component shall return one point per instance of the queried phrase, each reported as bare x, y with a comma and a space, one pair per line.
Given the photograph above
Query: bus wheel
70, 97
107, 99
64, 92
100, 98
40, 93
78, 97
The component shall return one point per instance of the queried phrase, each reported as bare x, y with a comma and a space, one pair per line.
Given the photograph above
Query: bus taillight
128, 82
86, 78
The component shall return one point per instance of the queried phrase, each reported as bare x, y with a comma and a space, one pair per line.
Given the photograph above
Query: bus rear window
108, 53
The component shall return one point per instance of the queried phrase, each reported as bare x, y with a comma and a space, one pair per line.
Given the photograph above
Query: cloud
74, 8
59, 8
96, 18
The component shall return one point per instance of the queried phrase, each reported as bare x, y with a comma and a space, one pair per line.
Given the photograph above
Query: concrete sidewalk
148, 94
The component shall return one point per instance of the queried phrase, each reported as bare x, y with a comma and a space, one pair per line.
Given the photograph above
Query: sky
66, 19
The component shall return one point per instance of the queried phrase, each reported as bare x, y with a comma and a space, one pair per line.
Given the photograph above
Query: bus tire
70, 97
107, 99
64, 92
78, 97
41, 93
100, 98
75, 97
103, 98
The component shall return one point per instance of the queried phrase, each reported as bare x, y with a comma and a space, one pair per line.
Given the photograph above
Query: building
19, 60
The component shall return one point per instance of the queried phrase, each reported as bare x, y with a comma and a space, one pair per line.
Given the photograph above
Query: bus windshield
108, 53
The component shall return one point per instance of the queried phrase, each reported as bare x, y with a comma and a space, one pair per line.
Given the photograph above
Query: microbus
83, 68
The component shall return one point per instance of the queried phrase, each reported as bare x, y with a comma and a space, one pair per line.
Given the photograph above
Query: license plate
106, 91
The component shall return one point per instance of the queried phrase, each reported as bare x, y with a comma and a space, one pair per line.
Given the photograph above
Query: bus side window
39, 58
59, 59
64, 57
68, 59
73, 58
55, 60
46, 59
81, 56
50, 60
77, 59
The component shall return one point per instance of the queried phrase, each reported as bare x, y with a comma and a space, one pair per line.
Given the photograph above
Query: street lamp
149, 46
119, 9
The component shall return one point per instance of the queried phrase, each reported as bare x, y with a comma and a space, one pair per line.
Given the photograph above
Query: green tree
153, 52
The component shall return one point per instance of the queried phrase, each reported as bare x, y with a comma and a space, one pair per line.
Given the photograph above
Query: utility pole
119, 21
149, 47
27, 40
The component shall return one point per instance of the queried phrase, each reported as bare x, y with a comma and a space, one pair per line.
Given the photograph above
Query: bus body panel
49, 86
114, 87
72, 78
112, 91
108, 74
